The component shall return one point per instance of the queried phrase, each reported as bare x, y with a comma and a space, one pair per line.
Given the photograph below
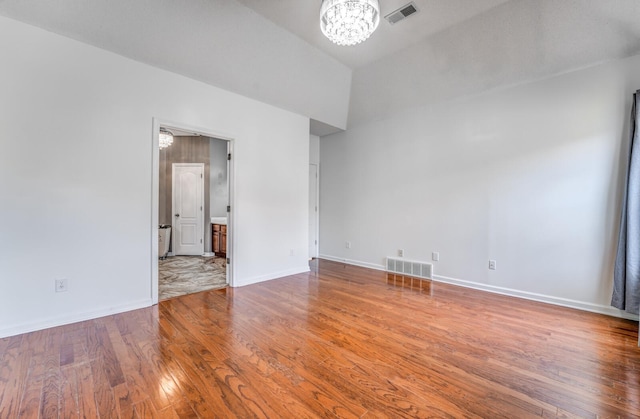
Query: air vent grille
403, 12
409, 10
410, 267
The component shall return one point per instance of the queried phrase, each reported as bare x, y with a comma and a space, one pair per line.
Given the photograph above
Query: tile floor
181, 275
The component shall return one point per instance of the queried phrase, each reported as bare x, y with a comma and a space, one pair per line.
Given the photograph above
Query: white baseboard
354, 262
559, 301
72, 318
273, 275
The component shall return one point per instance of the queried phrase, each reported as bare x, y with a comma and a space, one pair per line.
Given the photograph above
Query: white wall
515, 42
220, 42
67, 112
529, 176
314, 149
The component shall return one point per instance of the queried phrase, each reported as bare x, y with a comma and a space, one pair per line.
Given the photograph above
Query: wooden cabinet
216, 239
223, 241
219, 239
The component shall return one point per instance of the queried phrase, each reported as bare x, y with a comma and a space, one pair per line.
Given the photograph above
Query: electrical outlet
400, 253
435, 256
62, 285
492, 265
347, 245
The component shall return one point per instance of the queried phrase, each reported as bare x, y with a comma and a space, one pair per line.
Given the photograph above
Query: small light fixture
349, 22
166, 138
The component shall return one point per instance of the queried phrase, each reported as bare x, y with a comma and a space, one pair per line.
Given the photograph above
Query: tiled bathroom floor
181, 275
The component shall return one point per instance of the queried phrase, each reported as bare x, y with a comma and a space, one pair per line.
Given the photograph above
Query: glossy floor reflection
339, 341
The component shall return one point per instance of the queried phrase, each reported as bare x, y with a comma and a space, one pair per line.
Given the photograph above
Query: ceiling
273, 50
302, 18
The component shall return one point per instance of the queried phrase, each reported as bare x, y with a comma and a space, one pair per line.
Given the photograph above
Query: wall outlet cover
62, 285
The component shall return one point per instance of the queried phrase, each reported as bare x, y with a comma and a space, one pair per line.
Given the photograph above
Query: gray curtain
626, 275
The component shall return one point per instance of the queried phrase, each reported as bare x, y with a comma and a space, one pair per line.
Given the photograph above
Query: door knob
177, 215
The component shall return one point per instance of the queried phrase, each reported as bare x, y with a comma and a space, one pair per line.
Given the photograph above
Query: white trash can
164, 240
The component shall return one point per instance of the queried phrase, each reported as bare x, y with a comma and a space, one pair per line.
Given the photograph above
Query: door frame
155, 195
316, 213
173, 203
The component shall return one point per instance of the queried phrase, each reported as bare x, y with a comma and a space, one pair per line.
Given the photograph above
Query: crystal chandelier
166, 138
349, 22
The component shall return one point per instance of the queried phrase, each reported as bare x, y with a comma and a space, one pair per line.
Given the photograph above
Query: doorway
188, 186
313, 211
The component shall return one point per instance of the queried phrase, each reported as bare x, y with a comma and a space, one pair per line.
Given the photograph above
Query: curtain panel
626, 275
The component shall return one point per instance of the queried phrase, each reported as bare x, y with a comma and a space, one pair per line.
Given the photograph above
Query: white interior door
188, 208
313, 211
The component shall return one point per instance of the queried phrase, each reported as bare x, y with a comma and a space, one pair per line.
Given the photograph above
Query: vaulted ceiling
302, 19
273, 50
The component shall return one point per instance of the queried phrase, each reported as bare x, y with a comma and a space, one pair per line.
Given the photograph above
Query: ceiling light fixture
166, 138
349, 22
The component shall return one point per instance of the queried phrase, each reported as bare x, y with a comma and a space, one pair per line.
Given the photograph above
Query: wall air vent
410, 268
403, 12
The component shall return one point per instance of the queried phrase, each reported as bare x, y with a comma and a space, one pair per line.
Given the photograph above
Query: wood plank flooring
341, 341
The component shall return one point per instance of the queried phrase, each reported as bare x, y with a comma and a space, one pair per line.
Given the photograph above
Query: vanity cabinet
219, 239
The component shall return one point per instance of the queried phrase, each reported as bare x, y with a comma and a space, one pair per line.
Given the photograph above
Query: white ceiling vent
403, 12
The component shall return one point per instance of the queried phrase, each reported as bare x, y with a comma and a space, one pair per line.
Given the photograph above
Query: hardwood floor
341, 341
